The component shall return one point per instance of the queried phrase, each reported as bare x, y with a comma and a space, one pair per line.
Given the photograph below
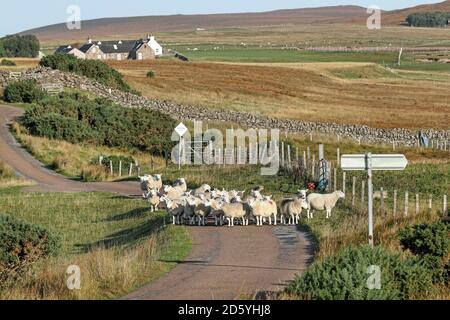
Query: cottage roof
117, 46
64, 49
85, 47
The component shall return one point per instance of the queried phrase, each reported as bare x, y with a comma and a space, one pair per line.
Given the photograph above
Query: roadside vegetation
117, 243
26, 46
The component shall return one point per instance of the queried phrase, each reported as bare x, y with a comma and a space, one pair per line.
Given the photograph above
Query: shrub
23, 91
431, 242
22, 244
93, 69
75, 118
345, 276
151, 74
7, 63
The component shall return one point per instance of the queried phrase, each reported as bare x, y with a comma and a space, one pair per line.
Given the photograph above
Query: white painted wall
155, 46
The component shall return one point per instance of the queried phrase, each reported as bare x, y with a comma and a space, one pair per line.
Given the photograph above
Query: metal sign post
372, 162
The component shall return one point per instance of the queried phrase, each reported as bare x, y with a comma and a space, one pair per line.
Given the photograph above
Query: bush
428, 19
75, 118
22, 244
431, 242
93, 69
59, 127
5, 171
151, 74
7, 63
19, 46
23, 91
345, 276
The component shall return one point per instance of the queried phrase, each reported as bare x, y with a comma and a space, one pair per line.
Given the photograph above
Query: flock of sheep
197, 206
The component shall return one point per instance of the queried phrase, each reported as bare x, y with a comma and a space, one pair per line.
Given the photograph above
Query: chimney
89, 40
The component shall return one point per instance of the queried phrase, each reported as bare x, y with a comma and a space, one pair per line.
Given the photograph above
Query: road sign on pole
181, 130
372, 162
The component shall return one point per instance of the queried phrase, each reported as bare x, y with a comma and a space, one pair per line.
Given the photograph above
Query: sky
19, 15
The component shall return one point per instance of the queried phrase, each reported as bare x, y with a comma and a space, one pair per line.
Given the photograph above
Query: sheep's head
302, 193
340, 194
157, 177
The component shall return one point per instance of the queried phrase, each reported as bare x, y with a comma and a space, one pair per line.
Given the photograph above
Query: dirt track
224, 262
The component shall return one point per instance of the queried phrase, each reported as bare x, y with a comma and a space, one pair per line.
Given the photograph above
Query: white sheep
180, 184
175, 209
203, 189
149, 183
153, 199
263, 208
233, 211
321, 202
291, 208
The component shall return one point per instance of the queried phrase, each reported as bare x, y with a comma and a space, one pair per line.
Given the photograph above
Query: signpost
181, 131
372, 162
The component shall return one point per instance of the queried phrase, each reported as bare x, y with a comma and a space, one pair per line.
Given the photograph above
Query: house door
139, 56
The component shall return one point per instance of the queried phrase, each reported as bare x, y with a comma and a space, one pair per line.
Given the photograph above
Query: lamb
323, 202
292, 208
263, 208
232, 211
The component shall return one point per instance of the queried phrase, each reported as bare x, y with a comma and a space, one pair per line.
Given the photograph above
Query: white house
152, 43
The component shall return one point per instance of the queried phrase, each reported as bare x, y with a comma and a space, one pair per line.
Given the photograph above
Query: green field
118, 244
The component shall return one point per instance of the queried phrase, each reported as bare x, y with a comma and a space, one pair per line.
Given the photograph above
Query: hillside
145, 24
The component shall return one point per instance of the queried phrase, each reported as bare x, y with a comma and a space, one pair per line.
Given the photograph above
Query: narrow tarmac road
225, 263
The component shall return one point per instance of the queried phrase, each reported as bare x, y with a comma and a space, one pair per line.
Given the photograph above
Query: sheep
154, 200
205, 188
292, 208
172, 192
216, 211
232, 211
175, 209
180, 184
202, 208
263, 208
150, 183
323, 202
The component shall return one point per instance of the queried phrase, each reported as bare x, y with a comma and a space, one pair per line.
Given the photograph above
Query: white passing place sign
380, 162
181, 129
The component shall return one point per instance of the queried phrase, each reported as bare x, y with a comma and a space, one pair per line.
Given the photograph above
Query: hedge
19, 46
22, 244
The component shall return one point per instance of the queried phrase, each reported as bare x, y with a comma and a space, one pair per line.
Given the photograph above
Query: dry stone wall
189, 112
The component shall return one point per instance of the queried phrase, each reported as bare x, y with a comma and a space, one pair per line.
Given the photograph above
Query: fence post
111, 169
353, 191
335, 179
394, 212
382, 200
289, 155
131, 169
310, 136
363, 187
430, 202
338, 157
313, 166
417, 204
444, 206
343, 181
120, 168
304, 161
282, 154
406, 203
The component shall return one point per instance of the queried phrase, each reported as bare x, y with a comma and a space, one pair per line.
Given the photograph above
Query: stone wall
188, 112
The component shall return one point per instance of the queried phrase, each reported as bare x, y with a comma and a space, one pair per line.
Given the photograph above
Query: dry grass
298, 92
76, 160
9, 179
21, 64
